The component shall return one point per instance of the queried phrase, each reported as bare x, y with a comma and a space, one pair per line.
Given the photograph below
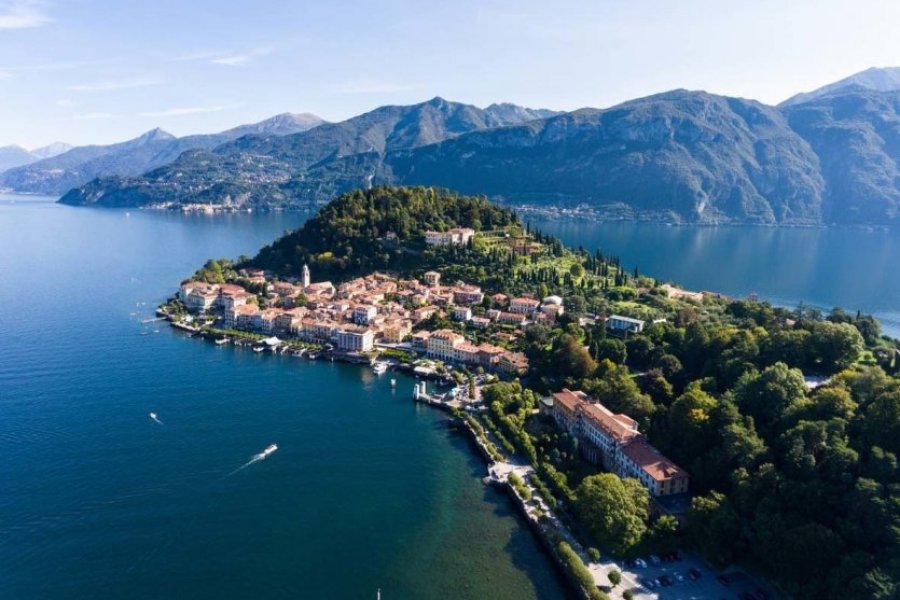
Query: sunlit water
97, 500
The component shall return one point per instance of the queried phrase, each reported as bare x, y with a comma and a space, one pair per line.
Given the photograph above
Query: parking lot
687, 578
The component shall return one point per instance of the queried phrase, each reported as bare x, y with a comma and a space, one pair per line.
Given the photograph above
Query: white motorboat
380, 368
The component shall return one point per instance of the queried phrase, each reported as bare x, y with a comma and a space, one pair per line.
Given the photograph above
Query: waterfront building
239, 317
420, 340
614, 441
202, 299
442, 344
626, 324
355, 339
395, 331
264, 320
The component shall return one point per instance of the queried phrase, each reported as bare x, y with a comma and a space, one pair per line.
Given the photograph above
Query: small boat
259, 349
269, 450
380, 368
221, 341
393, 383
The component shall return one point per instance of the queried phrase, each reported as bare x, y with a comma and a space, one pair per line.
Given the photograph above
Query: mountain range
829, 156
16, 156
56, 174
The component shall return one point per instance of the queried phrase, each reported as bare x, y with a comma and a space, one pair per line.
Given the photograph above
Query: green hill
380, 228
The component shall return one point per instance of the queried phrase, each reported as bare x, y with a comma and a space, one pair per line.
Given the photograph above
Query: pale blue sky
98, 71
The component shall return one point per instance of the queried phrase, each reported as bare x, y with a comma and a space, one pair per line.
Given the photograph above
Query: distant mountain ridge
877, 79
63, 171
16, 156
262, 171
681, 156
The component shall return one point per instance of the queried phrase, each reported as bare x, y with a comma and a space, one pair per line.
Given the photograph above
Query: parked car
641, 563
679, 577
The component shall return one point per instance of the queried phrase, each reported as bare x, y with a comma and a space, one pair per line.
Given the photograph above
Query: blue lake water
366, 490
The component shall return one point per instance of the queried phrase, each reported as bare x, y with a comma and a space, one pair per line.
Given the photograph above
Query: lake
367, 490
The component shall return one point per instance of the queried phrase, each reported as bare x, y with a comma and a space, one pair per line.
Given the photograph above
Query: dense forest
787, 420
379, 228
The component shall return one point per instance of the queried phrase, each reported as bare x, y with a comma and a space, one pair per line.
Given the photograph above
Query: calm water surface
851, 268
366, 491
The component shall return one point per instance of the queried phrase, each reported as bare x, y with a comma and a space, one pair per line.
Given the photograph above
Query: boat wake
255, 459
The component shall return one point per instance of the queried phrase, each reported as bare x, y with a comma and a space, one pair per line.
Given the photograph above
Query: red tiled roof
620, 427
651, 461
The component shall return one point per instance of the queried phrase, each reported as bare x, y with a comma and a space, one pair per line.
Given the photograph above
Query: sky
101, 71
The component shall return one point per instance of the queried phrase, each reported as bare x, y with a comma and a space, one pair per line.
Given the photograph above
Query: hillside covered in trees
787, 420
381, 228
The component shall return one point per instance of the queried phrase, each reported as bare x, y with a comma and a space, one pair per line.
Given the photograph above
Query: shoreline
481, 450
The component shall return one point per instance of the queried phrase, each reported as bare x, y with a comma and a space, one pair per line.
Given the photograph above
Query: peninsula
638, 426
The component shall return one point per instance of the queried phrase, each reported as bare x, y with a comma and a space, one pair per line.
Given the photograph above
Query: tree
767, 396
615, 578
882, 422
613, 510
639, 348
869, 328
571, 359
713, 528
628, 595
690, 417
617, 389
835, 346
612, 349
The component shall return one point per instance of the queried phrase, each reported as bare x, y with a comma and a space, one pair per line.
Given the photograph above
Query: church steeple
305, 279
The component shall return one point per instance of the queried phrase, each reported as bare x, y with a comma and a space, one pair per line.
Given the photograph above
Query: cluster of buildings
457, 235
377, 308
450, 346
613, 441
